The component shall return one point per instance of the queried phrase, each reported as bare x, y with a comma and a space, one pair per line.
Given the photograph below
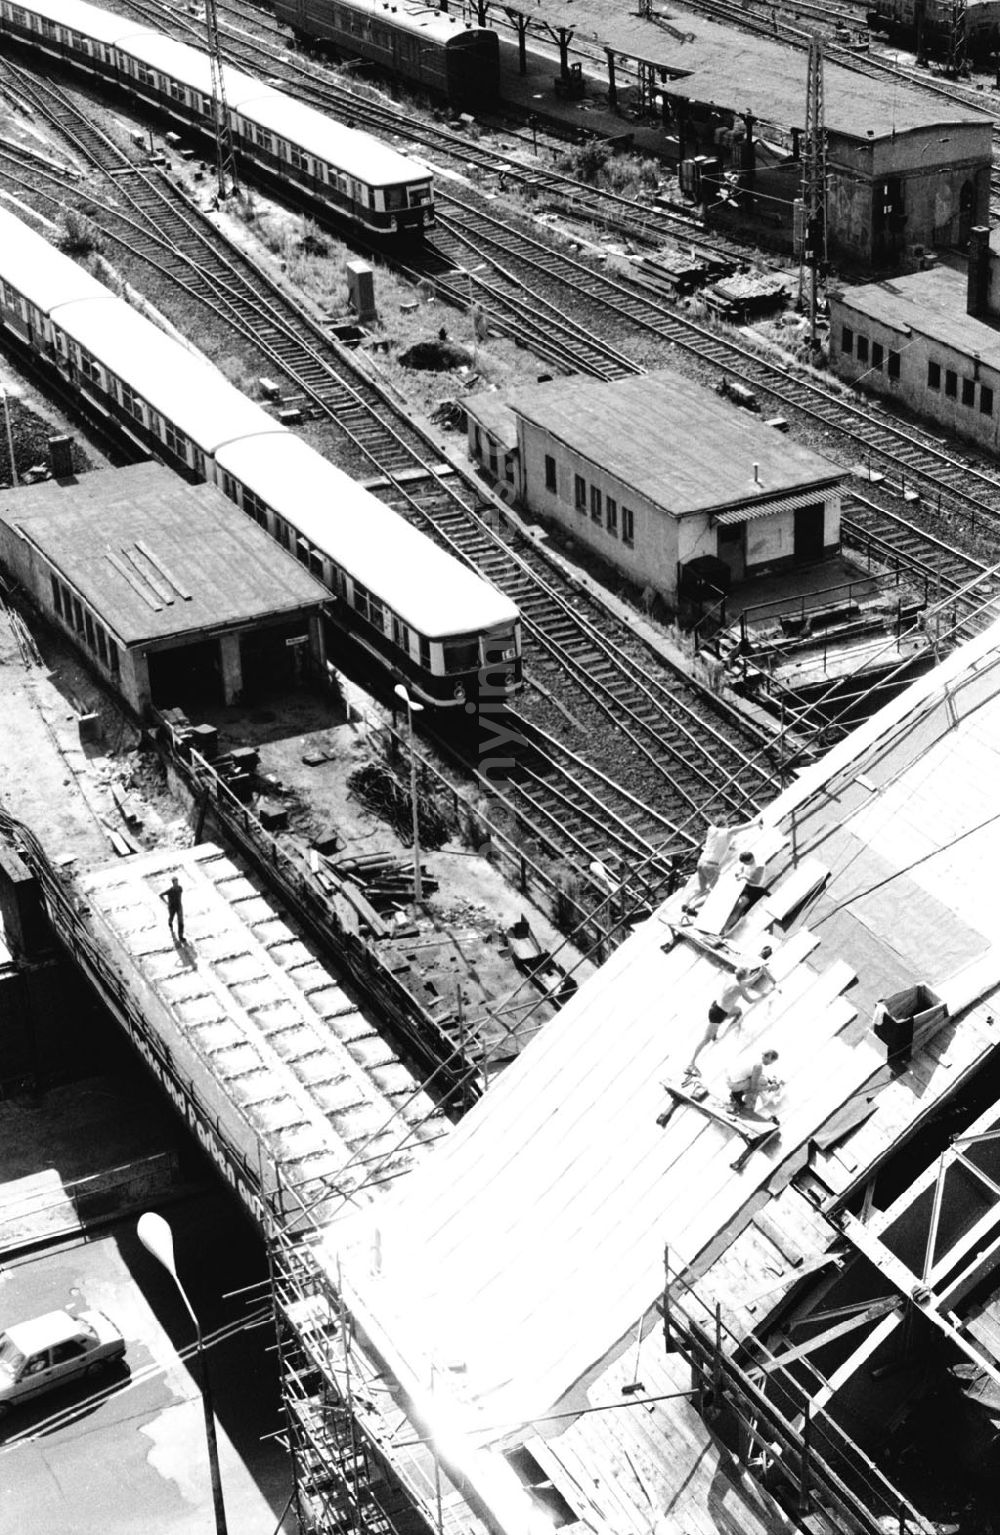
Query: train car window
199, 462
628, 526
144, 74
88, 629
596, 508
400, 634
177, 90
985, 400
77, 615
893, 369
113, 657
611, 522
361, 599
934, 375
132, 403
176, 441
56, 595
376, 613
102, 648
579, 492
425, 653
297, 159
254, 507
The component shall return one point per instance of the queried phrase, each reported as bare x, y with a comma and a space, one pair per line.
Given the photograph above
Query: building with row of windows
930, 341
654, 472
168, 590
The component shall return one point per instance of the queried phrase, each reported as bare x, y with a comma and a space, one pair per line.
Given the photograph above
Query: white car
49, 1350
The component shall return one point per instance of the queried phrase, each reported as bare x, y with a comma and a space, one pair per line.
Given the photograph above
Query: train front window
461, 655
395, 198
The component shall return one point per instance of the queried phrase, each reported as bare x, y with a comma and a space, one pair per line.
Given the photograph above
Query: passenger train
337, 169
412, 42
422, 615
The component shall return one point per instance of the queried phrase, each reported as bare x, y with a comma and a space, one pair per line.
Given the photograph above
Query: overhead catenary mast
813, 182
225, 154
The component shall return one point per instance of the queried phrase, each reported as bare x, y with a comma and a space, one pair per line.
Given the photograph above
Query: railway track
689, 757
540, 314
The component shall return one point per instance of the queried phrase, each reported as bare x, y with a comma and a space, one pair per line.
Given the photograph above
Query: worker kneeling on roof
748, 1078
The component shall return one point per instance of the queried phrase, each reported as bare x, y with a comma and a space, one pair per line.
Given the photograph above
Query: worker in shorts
748, 1078
725, 1007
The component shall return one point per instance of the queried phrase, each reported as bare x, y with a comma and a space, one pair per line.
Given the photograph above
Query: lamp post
412, 707
5, 396
158, 1239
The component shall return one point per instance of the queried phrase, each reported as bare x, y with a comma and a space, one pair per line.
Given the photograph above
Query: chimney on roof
756, 474
978, 287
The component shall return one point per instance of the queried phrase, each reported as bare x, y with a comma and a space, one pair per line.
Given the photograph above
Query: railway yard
419, 898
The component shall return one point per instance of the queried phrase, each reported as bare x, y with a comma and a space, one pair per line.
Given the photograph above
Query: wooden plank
790, 892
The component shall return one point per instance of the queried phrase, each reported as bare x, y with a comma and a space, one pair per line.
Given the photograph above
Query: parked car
49, 1350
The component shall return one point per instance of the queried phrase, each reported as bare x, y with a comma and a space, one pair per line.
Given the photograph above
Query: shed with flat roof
654, 472
169, 589
930, 340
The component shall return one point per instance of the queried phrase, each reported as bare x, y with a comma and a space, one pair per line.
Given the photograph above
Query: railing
418, 1035
803, 1458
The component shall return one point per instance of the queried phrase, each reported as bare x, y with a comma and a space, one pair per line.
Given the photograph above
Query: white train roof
422, 21
426, 587
40, 272
355, 153
181, 385
91, 20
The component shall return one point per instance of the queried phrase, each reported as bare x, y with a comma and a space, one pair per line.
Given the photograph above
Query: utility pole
813, 182
955, 63
225, 154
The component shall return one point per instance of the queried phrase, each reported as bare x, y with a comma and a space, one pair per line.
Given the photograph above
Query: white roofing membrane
357, 154
40, 272
182, 385
425, 586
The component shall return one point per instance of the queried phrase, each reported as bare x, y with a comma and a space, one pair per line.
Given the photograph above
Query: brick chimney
978, 290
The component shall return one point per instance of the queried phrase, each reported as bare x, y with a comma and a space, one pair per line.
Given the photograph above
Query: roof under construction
511, 1284
156, 557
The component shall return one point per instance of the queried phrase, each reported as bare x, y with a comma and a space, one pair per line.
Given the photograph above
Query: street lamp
158, 1239
412, 707
5, 396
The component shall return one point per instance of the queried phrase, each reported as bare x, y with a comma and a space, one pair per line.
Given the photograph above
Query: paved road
128, 1454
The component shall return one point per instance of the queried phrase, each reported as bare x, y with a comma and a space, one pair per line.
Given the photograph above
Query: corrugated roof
181, 384
134, 541
931, 303
765, 509
673, 441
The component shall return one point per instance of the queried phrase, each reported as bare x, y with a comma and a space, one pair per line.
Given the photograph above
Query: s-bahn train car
428, 620
455, 637
336, 168
928, 26
439, 52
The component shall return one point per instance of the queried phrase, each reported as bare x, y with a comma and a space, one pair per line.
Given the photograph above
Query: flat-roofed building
170, 591
930, 341
654, 472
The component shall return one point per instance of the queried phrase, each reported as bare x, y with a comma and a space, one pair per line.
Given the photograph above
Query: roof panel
931, 303
193, 540
673, 441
